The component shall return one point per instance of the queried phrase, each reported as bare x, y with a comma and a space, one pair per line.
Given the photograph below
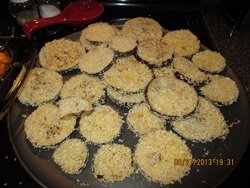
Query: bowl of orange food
17, 55
5, 62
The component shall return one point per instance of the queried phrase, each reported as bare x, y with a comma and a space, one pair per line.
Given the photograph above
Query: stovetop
171, 16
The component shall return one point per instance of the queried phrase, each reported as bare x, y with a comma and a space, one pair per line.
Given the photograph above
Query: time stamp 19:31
205, 162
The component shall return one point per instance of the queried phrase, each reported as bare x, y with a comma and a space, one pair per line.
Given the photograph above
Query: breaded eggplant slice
206, 124
71, 155
96, 60
142, 121
222, 90
128, 75
183, 41
154, 52
60, 54
141, 28
171, 98
158, 153
123, 45
84, 86
112, 163
41, 85
44, 128
99, 32
102, 125
209, 61
186, 70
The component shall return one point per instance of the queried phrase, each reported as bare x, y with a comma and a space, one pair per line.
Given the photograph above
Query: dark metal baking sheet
40, 166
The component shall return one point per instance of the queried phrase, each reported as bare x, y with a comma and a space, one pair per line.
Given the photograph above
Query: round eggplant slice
171, 98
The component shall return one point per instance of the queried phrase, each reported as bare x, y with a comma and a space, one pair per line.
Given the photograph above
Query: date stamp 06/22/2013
205, 162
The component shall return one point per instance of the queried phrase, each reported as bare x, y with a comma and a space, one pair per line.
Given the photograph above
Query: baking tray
39, 164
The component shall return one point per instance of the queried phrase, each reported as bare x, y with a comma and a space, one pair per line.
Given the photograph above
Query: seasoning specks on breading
60, 54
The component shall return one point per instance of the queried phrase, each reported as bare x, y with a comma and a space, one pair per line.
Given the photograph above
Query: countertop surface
236, 50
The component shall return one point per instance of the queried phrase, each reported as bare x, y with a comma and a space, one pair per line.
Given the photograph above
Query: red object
77, 13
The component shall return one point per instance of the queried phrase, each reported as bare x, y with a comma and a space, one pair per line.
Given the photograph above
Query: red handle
36, 24
79, 13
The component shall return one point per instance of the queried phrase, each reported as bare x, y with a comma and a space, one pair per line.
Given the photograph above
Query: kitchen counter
236, 50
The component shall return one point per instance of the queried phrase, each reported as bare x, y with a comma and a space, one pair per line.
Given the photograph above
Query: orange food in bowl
5, 61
